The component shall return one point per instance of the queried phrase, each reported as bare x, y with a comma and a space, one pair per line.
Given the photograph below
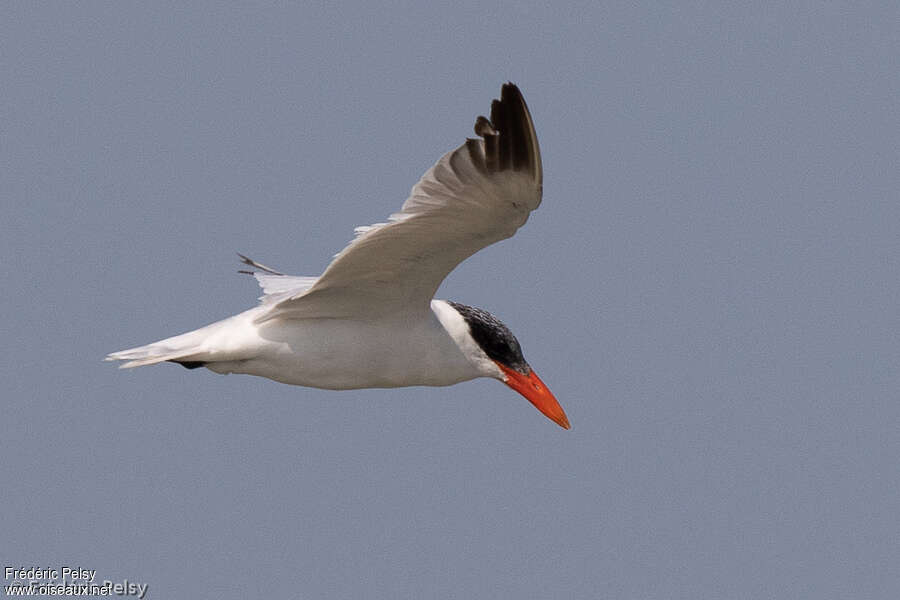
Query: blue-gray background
711, 288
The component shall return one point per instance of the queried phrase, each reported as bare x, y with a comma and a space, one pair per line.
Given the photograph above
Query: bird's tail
191, 349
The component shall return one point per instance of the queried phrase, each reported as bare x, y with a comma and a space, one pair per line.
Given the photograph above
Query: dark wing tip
510, 141
189, 364
249, 261
483, 127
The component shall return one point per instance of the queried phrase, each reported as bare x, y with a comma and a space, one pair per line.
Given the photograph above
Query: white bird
370, 320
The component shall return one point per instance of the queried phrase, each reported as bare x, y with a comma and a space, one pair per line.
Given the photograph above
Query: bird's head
501, 357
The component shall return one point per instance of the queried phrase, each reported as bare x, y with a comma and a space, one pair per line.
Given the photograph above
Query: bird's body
329, 353
370, 320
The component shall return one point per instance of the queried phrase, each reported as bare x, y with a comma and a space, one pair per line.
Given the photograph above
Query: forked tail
228, 339
189, 349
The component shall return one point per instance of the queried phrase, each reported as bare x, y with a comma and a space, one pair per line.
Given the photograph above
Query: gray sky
711, 288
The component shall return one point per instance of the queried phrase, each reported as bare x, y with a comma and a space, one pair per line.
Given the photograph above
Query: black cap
494, 338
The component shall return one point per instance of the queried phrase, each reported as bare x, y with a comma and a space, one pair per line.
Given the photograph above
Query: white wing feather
276, 286
476, 195
280, 287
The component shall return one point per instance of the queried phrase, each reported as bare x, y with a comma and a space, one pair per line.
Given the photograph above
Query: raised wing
276, 286
476, 195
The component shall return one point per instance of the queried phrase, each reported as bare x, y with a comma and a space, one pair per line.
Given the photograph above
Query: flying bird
370, 319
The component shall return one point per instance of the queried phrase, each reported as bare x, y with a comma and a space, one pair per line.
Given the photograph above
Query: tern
370, 319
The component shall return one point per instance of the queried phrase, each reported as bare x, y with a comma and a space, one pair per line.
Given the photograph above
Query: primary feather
476, 195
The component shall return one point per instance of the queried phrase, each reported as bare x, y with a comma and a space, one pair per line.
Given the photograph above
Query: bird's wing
276, 286
476, 195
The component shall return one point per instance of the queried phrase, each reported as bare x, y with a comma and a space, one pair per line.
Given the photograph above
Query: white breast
432, 349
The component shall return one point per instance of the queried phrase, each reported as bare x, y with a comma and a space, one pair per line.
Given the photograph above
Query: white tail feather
224, 340
188, 346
